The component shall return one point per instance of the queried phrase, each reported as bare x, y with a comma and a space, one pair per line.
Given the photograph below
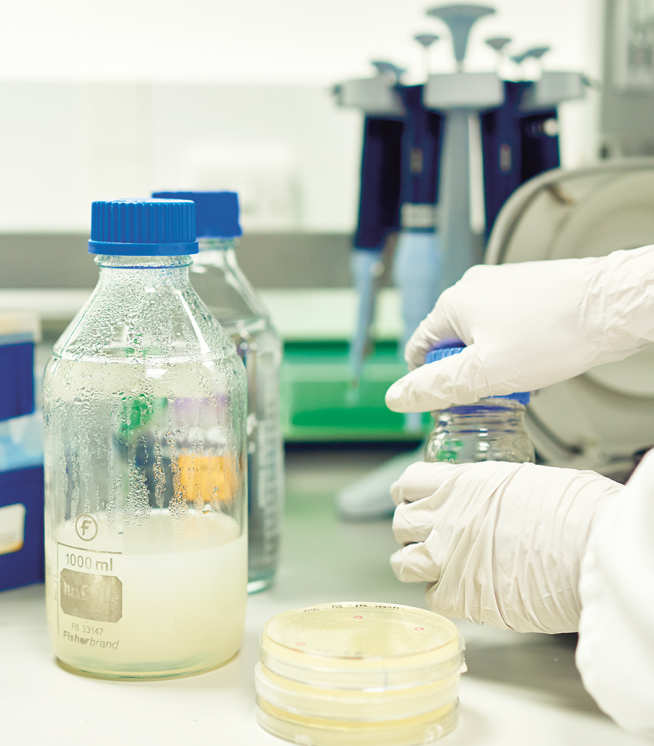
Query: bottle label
90, 596
12, 528
89, 590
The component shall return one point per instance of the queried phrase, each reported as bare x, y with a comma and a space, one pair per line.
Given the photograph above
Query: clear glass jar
217, 277
145, 505
492, 429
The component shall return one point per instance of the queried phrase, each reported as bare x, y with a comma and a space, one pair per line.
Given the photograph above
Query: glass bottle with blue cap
217, 277
145, 473
492, 429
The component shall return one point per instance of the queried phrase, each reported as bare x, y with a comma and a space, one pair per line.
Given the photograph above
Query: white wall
288, 146
65, 144
253, 40
100, 100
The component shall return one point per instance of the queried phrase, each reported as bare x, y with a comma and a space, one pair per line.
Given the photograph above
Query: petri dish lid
362, 645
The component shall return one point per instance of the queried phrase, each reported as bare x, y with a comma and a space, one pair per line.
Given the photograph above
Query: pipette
426, 41
417, 258
367, 267
384, 67
535, 54
499, 45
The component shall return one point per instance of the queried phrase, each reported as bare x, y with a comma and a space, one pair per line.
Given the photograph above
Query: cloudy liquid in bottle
104, 591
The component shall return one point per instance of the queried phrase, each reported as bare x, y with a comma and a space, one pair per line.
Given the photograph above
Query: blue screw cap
143, 228
217, 213
446, 348
449, 347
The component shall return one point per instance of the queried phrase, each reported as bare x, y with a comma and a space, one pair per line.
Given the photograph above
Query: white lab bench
518, 690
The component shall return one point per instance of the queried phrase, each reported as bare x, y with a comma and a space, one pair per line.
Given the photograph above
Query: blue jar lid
450, 347
217, 213
446, 348
143, 228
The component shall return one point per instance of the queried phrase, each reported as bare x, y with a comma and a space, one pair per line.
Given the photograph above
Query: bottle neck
218, 278
494, 415
217, 244
144, 271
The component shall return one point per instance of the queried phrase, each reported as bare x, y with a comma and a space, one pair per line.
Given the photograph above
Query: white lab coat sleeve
622, 289
615, 654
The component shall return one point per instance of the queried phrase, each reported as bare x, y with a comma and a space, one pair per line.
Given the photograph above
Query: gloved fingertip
398, 566
396, 492
396, 496
394, 396
414, 564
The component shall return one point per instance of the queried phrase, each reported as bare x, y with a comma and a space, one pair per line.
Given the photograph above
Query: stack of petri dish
359, 673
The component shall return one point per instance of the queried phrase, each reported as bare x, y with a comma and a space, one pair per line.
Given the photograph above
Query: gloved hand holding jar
526, 547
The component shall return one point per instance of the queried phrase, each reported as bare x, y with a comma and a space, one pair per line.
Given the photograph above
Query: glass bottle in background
492, 429
217, 277
145, 474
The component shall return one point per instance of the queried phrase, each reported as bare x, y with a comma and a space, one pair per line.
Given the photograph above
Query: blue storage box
21, 527
21, 458
16, 376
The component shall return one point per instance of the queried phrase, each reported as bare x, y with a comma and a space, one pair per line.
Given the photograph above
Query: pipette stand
376, 96
554, 88
460, 96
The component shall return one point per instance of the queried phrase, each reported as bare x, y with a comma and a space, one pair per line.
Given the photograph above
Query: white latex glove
498, 543
529, 325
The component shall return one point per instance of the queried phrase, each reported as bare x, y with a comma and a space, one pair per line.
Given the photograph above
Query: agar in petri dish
380, 673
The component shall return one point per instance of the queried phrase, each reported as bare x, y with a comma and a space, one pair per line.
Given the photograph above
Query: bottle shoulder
128, 324
229, 295
221, 283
